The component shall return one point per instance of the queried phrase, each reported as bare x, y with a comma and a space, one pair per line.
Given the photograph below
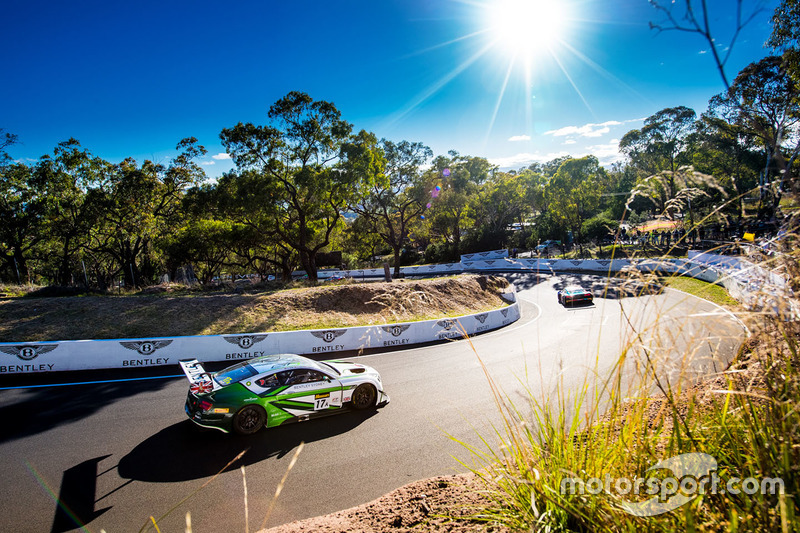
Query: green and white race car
277, 389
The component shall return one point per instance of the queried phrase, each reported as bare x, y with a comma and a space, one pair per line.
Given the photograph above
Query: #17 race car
277, 389
573, 295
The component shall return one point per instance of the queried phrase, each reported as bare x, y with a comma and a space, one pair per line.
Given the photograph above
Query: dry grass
353, 304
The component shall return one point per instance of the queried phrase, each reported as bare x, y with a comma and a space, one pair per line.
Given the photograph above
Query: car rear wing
201, 381
194, 370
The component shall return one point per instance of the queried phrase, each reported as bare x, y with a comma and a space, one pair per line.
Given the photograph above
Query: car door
308, 392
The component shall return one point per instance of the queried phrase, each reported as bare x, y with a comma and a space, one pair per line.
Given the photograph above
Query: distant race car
572, 295
277, 389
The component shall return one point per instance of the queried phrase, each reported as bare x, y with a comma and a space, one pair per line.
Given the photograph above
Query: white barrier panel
20, 358
744, 280
494, 254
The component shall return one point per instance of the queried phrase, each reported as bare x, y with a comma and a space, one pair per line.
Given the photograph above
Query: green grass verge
708, 291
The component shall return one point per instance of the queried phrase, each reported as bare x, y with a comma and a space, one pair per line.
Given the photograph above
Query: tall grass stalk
746, 417
279, 489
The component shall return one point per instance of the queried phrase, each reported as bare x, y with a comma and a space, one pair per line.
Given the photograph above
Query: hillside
31, 319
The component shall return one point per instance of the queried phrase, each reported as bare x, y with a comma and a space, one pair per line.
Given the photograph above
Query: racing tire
249, 419
364, 397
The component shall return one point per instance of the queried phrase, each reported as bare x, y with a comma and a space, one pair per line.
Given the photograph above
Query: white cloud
570, 141
516, 138
587, 130
207, 163
220, 156
590, 130
606, 153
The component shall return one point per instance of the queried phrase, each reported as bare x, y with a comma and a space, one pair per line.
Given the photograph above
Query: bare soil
440, 504
163, 313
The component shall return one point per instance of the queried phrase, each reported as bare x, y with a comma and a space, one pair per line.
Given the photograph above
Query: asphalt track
117, 452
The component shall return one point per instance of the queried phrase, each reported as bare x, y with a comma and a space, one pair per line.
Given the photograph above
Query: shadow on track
183, 452
38, 410
609, 288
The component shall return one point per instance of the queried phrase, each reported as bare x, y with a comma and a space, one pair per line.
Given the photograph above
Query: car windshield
234, 373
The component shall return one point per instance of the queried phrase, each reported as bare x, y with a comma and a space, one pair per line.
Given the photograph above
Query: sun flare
527, 27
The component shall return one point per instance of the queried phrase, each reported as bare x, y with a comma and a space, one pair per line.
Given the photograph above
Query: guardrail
21, 358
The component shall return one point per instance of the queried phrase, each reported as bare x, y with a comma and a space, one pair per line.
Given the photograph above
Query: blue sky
133, 78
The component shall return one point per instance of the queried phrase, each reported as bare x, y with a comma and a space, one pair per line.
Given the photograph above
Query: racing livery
572, 295
277, 389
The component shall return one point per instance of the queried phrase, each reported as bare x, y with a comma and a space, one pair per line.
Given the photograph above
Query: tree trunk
308, 260
396, 261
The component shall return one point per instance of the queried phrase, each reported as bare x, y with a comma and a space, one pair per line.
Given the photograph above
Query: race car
277, 389
574, 294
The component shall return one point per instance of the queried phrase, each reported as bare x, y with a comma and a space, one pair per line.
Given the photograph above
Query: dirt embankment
164, 315
440, 504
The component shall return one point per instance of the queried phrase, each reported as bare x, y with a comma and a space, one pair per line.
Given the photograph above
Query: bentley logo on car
27, 352
396, 330
481, 317
244, 341
330, 335
145, 347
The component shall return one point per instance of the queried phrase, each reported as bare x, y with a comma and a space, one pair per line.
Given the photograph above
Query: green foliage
294, 156
659, 144
574, 193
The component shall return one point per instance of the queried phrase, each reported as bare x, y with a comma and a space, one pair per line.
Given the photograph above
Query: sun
526, 28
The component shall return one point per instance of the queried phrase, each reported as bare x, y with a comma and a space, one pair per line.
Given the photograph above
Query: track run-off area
115, 452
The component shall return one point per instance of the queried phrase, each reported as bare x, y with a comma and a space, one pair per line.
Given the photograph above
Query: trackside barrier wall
745, 281
754, 286
20, 358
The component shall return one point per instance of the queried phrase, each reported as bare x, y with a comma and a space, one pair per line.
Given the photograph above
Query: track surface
117, 453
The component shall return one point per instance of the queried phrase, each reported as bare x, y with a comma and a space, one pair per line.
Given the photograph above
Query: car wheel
364, 396
249, 419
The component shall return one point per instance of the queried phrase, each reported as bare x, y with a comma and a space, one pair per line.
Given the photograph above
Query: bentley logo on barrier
26, 352
245, 341
145, 347
330, 335
504, 311
446, 323
481, 317
396, 330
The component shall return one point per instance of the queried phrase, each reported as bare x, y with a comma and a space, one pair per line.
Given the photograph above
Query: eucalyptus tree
661, 141
139, 206
727, 151
502, 200
397, 195
785, 35
65, 179
295, 153
453, 181
763, 101
238, 196
574, 193
22, 210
